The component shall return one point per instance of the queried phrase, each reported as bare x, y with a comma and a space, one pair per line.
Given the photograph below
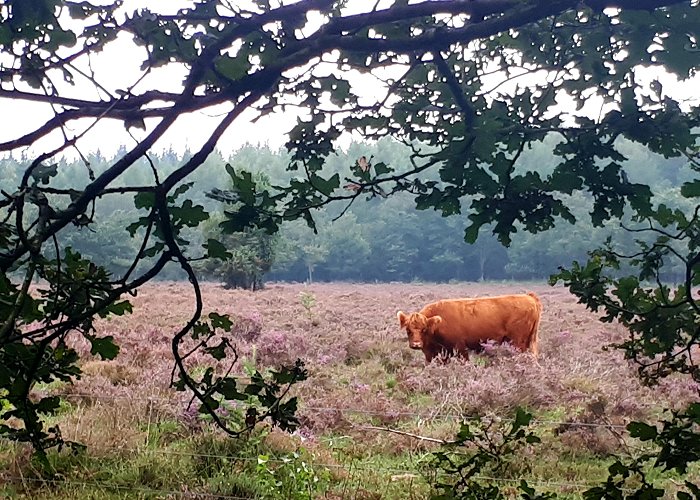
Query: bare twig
407, 434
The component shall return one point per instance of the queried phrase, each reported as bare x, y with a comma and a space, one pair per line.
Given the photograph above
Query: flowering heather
362, 371
247, 326
277, 347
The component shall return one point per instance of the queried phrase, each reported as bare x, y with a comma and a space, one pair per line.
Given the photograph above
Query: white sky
117, 68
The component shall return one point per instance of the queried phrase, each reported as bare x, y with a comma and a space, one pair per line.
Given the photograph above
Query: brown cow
458, 325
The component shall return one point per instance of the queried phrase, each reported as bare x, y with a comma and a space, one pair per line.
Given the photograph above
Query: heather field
365, 409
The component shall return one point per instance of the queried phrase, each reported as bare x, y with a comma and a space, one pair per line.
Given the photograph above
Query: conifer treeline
376, 240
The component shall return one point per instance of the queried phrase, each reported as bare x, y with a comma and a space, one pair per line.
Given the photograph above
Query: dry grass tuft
116, 373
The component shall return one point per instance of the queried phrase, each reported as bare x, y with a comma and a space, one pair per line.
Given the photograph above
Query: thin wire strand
121, 487
348, 467
578, 485
361, 411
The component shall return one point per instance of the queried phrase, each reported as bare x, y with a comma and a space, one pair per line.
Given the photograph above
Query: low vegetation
371, 413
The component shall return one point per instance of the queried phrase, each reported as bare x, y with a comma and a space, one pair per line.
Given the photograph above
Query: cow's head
418, 326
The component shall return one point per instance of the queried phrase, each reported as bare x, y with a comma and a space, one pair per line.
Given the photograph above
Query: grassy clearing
143, 441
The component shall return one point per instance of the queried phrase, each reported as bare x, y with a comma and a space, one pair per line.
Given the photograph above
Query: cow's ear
433, 322
402, 318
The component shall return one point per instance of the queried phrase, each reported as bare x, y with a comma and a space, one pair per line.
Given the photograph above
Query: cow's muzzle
416, 345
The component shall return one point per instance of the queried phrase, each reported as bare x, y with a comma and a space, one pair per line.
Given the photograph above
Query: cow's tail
534, 333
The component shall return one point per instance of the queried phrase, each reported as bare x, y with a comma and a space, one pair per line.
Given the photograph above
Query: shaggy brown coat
455, 326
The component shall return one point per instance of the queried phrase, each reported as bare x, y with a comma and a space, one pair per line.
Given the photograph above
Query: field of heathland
371, 412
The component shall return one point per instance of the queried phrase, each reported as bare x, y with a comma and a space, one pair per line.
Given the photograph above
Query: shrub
277, 347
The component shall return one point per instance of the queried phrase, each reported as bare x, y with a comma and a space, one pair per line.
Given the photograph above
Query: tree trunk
482, 263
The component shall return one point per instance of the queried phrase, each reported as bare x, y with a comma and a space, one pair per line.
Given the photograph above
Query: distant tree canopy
468, 86
247, 253
384, 239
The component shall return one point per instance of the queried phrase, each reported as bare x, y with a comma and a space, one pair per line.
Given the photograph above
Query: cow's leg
533, 349
525, 346
520, 344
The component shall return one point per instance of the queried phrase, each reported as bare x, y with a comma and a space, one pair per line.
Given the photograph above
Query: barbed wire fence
353, 471
569, 486
359, 411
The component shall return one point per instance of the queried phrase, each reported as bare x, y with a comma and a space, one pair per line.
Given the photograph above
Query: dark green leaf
691, 189
642, 431
43, 173
120, 308
144, 199
103, 346
222, 321
233, 68
218, 351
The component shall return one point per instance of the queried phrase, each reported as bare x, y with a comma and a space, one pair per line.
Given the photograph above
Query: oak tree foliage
468, 85
240, 255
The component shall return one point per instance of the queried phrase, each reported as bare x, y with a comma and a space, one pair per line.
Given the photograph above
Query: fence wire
363, 411
356, 473
570, 486
119, 487
350, 467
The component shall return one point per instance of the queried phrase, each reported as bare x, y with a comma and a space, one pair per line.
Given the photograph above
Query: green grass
273, 465
367, 474
208, 463
373, 464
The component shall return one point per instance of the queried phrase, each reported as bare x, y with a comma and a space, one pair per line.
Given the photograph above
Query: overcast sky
117, 68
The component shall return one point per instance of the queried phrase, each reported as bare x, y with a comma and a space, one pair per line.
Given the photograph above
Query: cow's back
471, 321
